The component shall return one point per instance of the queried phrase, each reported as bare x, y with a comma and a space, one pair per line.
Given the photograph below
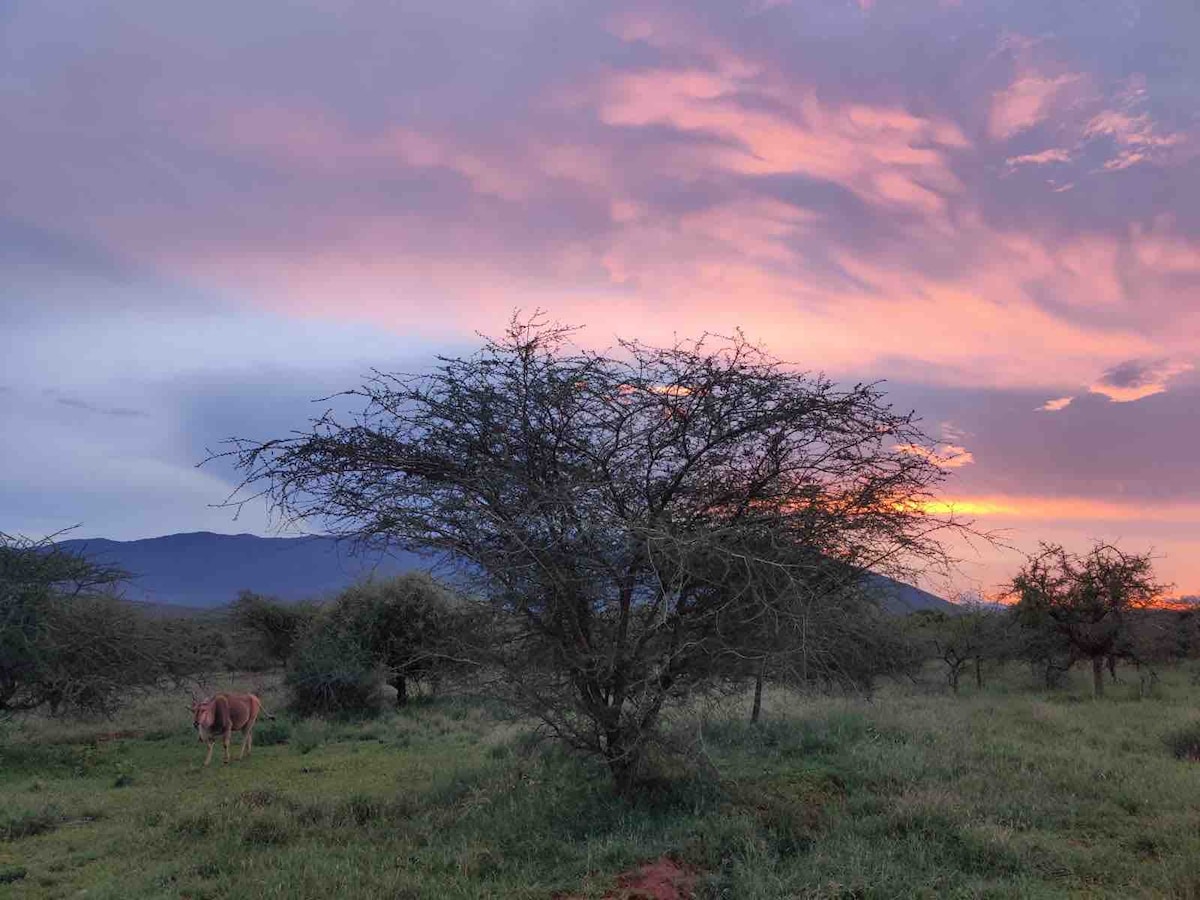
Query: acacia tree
1086, 603
960, 638
616, 509
66, 641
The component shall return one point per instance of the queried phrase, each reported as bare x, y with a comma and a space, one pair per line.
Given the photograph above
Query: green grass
1007, 792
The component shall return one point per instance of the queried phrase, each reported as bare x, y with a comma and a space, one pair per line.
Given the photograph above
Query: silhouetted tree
961, 638
66, 640
611, 506
1084, 604
811, 623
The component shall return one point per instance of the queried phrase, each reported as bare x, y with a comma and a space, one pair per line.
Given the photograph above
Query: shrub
195, 826
17, 825
332, 674
309, 736
1185, 742
266, 831
270, 732
406, 624
67, 642
277, 627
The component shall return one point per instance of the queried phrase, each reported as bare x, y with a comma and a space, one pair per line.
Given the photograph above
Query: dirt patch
662, 879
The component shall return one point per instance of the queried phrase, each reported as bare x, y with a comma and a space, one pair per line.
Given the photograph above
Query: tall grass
1004, 792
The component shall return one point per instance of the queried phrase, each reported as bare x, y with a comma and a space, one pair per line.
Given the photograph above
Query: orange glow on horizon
1060, 509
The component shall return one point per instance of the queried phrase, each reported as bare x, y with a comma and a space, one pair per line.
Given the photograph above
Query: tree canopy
624, 514
407, 624
66, 641
1085, 604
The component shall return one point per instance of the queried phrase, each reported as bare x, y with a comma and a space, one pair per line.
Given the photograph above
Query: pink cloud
1162, 250
947, 456
886, 155
1045, 157
1135, 380
1064, 509
318, 142
976, 314
1027, 101
1055, 405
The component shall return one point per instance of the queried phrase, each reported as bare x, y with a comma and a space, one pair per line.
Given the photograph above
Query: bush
17, 825
1185, 742
195, 826
270, 732
275, 626
266, 831
67, 642
331, 674
407, 624
309, 736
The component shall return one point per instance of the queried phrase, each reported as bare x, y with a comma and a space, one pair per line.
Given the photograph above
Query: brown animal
223, 714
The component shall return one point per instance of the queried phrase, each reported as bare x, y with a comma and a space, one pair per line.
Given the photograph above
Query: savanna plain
1004, 791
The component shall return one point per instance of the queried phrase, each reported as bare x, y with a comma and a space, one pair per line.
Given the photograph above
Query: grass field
1005, 792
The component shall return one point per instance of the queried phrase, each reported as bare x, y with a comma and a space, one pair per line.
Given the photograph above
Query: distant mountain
203, 570
901, 599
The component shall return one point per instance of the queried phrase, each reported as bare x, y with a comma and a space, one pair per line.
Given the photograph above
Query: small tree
66, 640
1085, 604
611, 506
958, 639
813, 622
276, 626
406, 624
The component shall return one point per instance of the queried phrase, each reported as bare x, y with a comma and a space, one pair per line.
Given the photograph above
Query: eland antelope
223, 714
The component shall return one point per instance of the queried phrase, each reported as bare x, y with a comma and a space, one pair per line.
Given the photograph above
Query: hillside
204, 570
898, 597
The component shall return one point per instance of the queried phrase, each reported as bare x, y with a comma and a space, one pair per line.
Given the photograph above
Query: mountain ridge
203, 569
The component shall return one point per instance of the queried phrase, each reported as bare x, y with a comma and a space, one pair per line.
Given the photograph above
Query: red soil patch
663, 879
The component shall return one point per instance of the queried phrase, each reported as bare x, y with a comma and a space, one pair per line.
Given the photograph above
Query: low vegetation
1005, 791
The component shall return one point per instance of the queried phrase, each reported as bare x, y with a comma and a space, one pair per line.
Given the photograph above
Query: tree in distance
275, 626
1086, 604
825, 630
630, 518
67, 642
965, 637
407, 624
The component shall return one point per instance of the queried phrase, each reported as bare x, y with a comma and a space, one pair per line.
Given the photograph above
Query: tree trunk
1097, 676
758, 688
979, 673
624, 759
400, 683
1111, 661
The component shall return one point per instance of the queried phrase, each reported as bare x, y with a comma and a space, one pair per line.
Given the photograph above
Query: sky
212, 215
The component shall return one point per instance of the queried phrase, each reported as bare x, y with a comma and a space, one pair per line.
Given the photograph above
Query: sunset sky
213, 213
